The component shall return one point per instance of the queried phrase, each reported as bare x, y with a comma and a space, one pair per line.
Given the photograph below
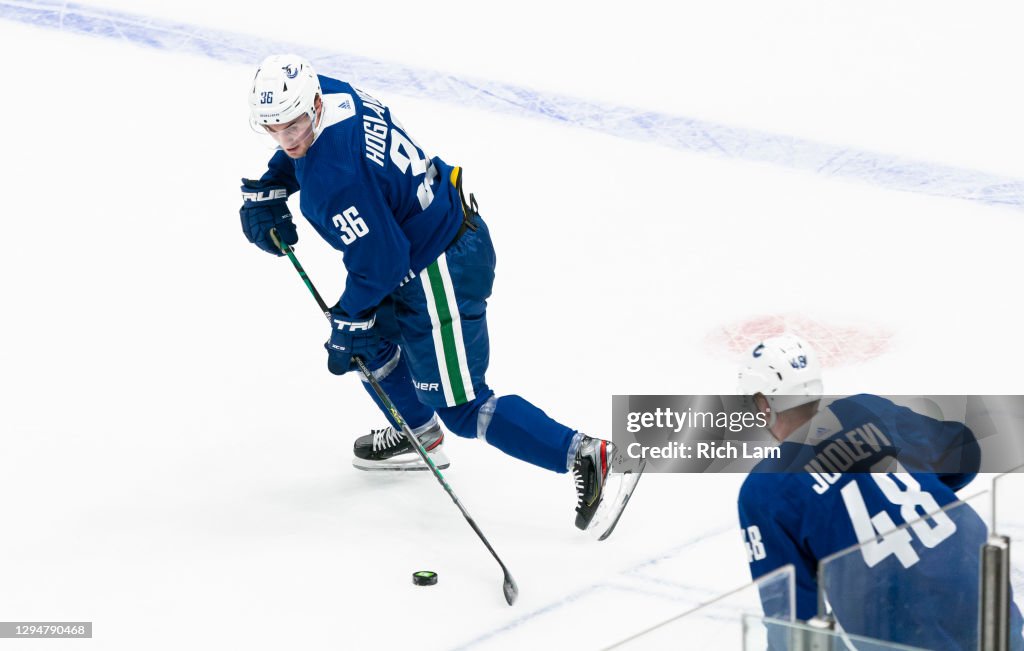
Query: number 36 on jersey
351, 225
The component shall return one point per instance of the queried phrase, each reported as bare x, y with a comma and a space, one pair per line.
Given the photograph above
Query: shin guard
515, 427
394, 377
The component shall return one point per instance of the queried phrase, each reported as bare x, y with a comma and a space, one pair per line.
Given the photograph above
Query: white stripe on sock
435, 330
460, 345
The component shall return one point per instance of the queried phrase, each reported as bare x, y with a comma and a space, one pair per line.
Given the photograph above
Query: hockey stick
509, 586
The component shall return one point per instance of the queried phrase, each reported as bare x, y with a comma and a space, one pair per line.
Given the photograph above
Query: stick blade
510, 589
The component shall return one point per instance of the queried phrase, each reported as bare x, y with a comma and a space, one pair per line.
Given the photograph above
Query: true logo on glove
279, 193
350, 339
352, 326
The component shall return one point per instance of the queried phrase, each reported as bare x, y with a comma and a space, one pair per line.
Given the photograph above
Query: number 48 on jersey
880, 536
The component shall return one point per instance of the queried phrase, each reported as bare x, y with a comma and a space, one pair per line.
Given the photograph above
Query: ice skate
601, 494
389, 449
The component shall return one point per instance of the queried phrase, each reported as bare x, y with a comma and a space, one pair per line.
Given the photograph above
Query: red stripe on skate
604, 459
438, 442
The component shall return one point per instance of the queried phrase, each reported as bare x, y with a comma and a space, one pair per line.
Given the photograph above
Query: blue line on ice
678, 132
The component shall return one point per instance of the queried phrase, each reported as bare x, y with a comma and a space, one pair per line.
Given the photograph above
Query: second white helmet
785, 369
285, 87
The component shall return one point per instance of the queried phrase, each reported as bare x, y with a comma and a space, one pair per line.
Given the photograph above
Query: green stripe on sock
444, 317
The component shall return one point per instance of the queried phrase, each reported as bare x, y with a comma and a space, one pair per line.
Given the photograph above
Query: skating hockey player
420, 266
837, 486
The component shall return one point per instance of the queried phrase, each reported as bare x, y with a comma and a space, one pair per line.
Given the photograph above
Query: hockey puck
424, 577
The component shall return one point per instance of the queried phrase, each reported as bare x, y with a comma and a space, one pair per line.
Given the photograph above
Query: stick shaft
510, 589
379, 390
287, 250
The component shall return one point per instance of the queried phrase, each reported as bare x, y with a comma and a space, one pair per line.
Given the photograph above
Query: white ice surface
174, 457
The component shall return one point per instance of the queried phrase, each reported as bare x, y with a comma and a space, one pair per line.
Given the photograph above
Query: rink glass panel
1008, 520
795, 636
718, 624
892, 588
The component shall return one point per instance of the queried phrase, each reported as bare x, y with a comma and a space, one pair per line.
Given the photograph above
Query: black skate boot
389, 449
601, 496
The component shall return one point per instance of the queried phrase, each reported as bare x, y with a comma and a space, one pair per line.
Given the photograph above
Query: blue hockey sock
515, 427
394, 377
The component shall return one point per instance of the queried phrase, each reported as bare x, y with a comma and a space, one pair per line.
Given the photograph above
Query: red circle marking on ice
836, 344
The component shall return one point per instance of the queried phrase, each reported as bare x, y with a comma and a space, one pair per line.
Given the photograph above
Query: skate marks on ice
674, 131
837, 344
662, 586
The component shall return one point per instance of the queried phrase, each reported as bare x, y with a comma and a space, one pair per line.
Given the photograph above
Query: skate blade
620, 488
407, 462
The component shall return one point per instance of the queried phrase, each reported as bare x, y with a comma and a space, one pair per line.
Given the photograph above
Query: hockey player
420, 266
801, 508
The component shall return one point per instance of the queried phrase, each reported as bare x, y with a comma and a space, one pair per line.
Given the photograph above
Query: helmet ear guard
785, 370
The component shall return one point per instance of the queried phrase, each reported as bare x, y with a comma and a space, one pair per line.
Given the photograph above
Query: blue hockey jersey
836, 487
371, 192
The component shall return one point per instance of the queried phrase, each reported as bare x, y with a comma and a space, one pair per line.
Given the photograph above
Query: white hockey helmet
785, 370
285, 88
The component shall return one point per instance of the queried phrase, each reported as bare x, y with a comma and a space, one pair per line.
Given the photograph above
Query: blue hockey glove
265, 206
350, 337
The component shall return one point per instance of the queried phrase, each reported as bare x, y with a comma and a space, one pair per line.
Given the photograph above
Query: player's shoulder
880, 413
771, 497
756, 487
355, 123
861, 405
361, 100
776, 479
339, 101
339, 142
332, 86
